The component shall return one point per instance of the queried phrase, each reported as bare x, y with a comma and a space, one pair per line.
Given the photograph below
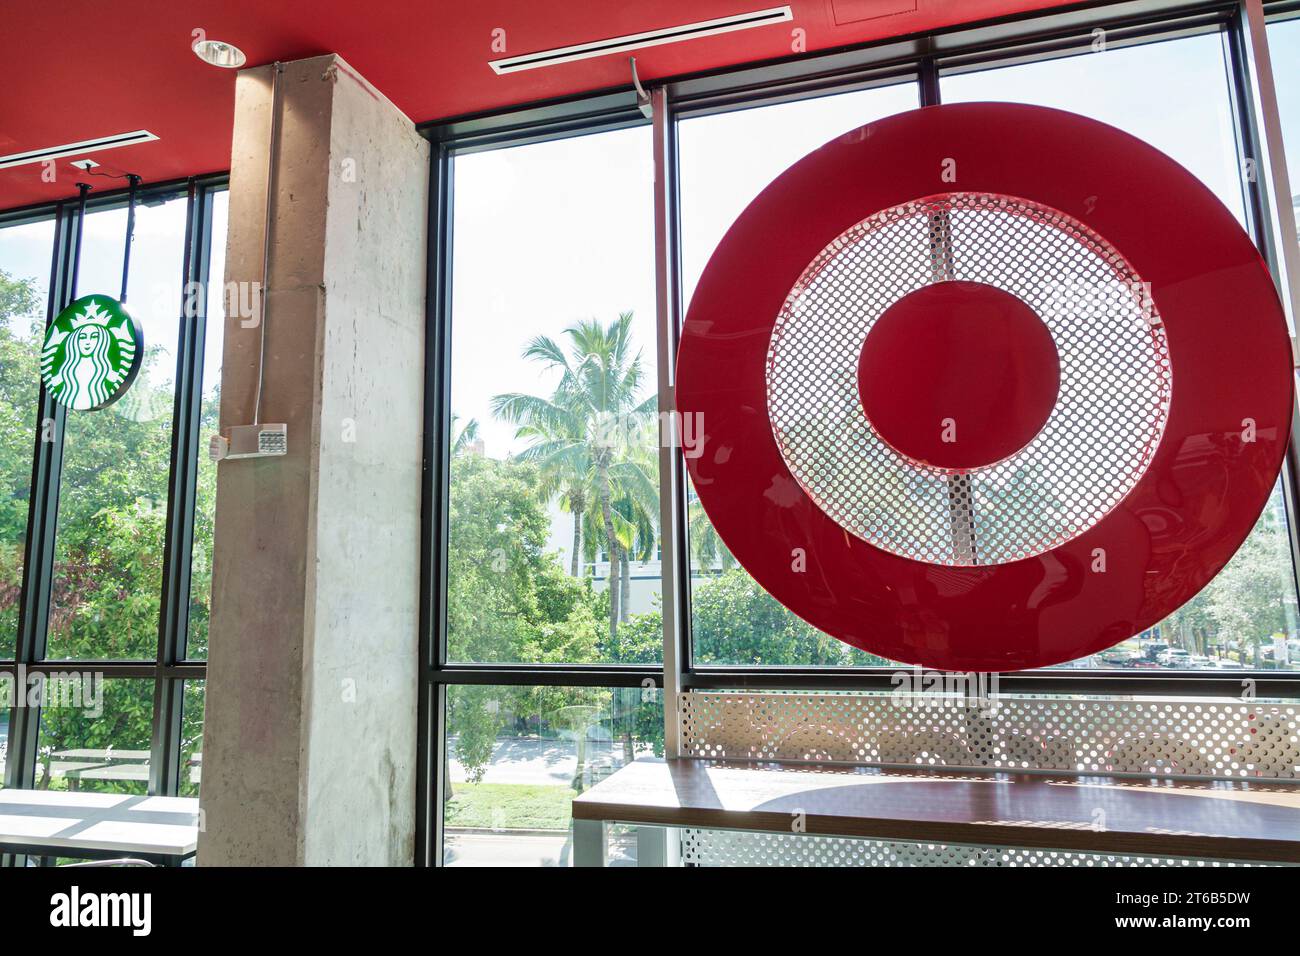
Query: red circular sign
825, 336
958, 375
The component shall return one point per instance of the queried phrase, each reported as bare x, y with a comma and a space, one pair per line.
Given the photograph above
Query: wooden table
1257, 821
98, 825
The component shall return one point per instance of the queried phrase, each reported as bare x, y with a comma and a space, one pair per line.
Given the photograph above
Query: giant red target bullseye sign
985, 387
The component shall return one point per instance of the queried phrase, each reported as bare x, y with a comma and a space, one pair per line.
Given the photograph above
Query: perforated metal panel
733, 848
1227, 740
1110, 414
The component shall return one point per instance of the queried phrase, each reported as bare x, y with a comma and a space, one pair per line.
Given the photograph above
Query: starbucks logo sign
92, 353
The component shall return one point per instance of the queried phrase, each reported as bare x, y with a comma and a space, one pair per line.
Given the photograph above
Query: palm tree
707, 546
463, 440
578, 435
636, 516
558, 447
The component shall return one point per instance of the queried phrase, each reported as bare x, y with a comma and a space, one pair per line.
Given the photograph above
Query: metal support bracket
642, 97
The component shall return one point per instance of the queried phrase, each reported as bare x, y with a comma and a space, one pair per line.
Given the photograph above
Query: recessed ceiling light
220, 53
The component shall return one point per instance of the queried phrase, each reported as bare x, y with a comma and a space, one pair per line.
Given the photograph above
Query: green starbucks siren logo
92, 353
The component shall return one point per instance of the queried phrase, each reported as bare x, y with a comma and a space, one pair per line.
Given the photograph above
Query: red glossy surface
958, 375
1183, 520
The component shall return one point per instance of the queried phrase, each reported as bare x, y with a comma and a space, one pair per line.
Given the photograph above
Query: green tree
108, 558
735, 621
20, 325
580, 433
508, 599
1244, 605
205, 512
707, 547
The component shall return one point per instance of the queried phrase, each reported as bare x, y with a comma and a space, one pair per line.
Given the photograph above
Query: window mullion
431, 709
173, 618
1260, 159
42, 512
674, 563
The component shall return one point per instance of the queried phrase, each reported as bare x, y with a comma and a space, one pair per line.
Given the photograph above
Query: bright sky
546, 235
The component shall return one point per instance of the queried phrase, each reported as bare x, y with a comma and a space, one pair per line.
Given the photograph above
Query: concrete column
309, 737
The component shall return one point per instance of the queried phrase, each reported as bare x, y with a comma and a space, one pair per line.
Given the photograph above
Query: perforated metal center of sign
1110, 411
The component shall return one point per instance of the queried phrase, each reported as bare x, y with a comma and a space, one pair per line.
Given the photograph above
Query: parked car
1222, 664
1119, 657
1174, 657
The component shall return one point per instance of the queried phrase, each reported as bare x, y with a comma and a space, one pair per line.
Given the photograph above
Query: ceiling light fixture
71, 149
219, 53
635, 41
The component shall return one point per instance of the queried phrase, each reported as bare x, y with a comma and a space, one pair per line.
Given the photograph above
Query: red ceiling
78, 70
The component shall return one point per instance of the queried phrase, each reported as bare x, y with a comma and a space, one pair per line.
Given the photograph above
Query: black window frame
169, 668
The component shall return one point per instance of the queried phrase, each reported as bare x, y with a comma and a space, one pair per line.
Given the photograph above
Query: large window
1246, 617
24, 284
1284, 45
205, 492
102, 618
515, 758
555, 606
726, 159
553, 530
553, 548
112, 515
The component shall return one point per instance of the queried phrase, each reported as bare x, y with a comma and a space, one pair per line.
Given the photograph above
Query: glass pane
1284, 50
1246, 617
8, 694
517, 756
25, 253
95, 735
205, 491
192, 737
554, 471
726, 159
1184, 110
113, 497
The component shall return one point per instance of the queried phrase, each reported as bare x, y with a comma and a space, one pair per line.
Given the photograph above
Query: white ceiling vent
635, 41
76, 149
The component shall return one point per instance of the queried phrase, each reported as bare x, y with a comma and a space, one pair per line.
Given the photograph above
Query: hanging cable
134, 180
259, 439
91, 172
82, 190
273, 151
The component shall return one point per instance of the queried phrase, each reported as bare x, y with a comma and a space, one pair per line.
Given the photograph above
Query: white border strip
633, 41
